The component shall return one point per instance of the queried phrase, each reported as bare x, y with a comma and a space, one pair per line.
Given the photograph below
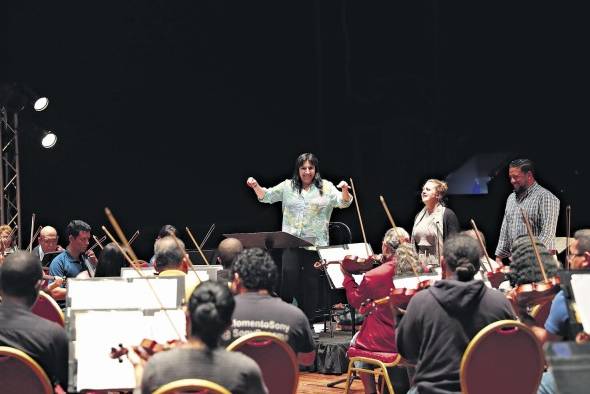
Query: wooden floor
311, 383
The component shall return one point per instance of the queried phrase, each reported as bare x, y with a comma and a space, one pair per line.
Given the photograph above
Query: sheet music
98, 331
411, 282
122, 294
581, 289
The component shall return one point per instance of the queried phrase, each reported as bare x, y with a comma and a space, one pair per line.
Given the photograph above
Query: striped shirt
307, 214
542, 209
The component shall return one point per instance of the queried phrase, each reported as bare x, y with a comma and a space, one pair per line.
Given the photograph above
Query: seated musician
110, 262
43, 340
377, 334
47, 242
209, 313
557, 324
171, 260
74, 259
456, 308
485, 262
227, 251
6, 241
254, 277
524, 267
164, 232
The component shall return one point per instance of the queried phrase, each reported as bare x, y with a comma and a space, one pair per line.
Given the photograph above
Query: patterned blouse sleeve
335, 195
275, 193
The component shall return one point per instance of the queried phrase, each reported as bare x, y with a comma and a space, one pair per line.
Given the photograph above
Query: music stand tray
269, 240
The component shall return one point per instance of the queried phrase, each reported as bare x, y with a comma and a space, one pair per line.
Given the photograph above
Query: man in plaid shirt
540, 205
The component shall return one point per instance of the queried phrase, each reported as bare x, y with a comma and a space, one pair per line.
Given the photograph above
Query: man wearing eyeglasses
47, 242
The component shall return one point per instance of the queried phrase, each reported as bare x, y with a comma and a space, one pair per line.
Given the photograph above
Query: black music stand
269, 240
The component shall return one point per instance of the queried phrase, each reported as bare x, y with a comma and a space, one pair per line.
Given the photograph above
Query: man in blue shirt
557, 323
73, 260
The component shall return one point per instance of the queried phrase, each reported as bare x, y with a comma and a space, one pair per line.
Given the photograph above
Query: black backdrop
163, 109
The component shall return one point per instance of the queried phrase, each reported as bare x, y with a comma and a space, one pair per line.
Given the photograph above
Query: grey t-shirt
235, 371
255, 312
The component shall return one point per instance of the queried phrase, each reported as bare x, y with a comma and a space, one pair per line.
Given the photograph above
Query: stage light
48, 139
40, 103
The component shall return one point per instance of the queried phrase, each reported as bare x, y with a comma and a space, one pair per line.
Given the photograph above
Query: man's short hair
19, 274
169, 253
75, 227
525, 165
583, 238
256, 269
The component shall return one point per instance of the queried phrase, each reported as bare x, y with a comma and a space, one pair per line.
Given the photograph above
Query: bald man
47, 242
227, 250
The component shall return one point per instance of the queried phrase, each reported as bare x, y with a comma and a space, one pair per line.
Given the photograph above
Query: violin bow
208, 235
134, 237
132, 264
188, 231
358, 211
568, 224
190, 263
485, 252
399, 238
97, 242
30, 247
529, 231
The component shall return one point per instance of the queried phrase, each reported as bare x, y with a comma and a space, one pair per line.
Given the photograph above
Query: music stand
269, 240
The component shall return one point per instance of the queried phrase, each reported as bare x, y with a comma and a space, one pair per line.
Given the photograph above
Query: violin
353, 264
146, 348
397, 298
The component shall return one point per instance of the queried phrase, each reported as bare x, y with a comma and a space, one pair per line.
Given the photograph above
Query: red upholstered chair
276, 359
504, 357
46, 307
381, 361
196, 386
20, 374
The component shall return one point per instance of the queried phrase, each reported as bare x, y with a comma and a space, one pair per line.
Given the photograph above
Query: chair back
46, 307
193, 386
276, 359
504, 357
20, 374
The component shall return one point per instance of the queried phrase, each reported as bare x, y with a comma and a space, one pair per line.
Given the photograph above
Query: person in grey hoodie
441, 320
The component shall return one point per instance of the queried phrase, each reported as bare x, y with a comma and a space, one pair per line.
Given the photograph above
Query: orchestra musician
441, 320
434, 223
524, 268
227, 250
377, 334
307, 204
165, 231
47, 242
110, 261
43, 340
209, 314
540, 205
74, 259
557, 324
171, 259
6, 240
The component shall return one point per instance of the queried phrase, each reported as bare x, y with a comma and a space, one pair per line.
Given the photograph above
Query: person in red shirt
377, 334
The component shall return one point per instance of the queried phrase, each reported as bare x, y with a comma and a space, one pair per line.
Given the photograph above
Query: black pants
300, 280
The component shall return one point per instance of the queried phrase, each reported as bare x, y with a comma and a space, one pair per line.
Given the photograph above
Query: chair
276, 359
381, 361
47, 308
504, 357
20, 374
339, 233
196, 386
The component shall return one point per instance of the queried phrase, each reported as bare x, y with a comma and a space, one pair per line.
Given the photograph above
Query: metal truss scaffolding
10, 201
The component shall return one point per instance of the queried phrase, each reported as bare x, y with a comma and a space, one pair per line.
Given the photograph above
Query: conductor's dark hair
211, 307
525, 165
524, 267
166, 230
256, 269
462, 254
19, 275
110, 262
296, 180
75, 227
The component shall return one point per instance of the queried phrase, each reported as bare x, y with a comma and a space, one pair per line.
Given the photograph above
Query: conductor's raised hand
343, 185
251, 182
